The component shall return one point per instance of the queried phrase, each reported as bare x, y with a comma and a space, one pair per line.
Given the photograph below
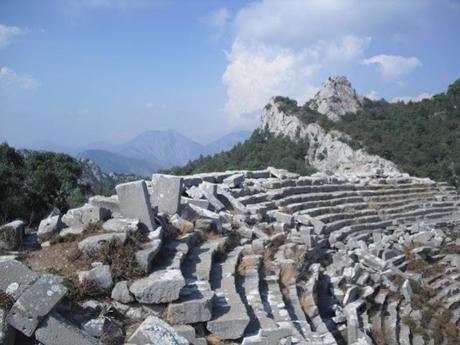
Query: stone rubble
252, 257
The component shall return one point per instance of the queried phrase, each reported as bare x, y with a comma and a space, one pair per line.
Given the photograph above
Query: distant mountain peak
336, 98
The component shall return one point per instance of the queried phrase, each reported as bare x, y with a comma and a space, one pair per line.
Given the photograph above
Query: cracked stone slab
167, 191
35, 303
159, 287
55, 330
15, 277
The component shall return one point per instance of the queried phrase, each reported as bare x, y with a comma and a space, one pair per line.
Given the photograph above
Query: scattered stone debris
242, 257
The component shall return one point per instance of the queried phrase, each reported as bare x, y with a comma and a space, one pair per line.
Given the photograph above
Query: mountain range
154, 150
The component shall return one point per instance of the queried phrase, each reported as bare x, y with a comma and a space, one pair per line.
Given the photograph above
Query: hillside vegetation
262, 149
32, 183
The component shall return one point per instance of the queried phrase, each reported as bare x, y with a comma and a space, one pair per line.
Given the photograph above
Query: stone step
305, 207
398, 191
329, 218
395, 197
229, 315
424, 212
352, 222
262, 329
196, 298
319, 196
164, 284
340, 235
326, 210
283, 193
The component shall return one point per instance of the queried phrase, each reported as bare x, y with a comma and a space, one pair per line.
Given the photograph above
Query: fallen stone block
121, 292
100, 276
121, 225
135, 203
192, 307
55, 330
11, 235
50, 226
35, 303
93, 244
85, 215
234, 181
145, 256
15, 277
108, 202
155, 331
203, 203
167, 191
104, 325
159, 287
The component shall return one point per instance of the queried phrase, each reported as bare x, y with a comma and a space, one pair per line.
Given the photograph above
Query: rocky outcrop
336, 98
327, 151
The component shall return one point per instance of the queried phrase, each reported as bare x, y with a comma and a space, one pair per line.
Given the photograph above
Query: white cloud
393, 66
418, 98
288, 47
373, 95
257, 72
8, 33
9, 79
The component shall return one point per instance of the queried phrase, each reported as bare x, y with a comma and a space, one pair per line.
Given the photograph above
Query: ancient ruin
245, 257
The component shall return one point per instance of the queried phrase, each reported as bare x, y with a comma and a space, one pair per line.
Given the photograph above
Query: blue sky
75, 72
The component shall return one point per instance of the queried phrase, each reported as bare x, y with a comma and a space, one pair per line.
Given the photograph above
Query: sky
73, 72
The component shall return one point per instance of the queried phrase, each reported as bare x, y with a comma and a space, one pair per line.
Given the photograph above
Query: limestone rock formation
328, 151
336, 98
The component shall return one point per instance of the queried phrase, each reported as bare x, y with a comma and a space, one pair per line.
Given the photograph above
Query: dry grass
288, 275
285, 209
212, 339
244, 268
107, 339
6, 301
373, 205
267, 261
306, 301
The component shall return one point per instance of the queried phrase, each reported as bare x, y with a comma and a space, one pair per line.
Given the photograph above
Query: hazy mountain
165, 148
112, 162
227, 142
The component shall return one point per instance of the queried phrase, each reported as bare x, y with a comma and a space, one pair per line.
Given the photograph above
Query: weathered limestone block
194, 306
234, 181
127, 225
11, 235
35, 303
145, 256
85, 215
101, 276
134, 203
159, 287
50, 226
108, 202
121, 292
210, 191
104, 324
93, 244
55, 330
15, 277
167, 191
155, 331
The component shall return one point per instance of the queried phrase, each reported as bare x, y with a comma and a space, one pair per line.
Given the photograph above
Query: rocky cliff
328, 151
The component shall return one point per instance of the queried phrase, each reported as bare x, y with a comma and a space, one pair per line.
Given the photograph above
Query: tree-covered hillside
262, 149
422, 138
32, 183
